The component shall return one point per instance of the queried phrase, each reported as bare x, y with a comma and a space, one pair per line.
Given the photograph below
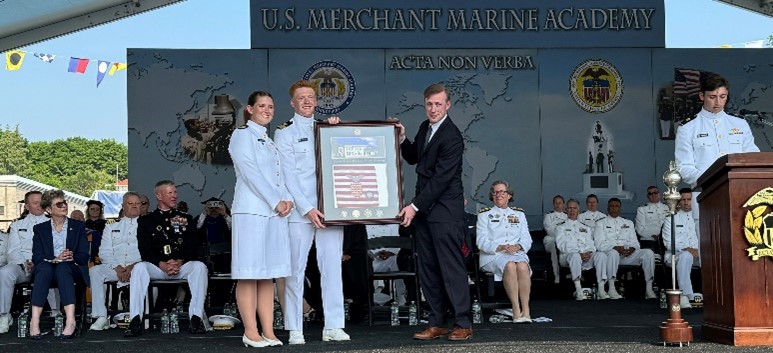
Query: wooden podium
737, 290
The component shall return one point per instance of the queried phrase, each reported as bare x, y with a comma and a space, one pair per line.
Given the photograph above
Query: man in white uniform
575, 242
19, 265
709, 135
687, 245
615, 237
295, 142
553, 218
592, 215
118, 253
650, 218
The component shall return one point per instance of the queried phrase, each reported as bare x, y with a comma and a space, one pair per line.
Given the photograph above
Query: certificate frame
359, 174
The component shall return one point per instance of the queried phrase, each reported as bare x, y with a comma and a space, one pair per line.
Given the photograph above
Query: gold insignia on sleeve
755, 225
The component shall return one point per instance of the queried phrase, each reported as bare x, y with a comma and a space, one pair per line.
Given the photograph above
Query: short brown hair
712, 82
49, 196
301, 84
434, 89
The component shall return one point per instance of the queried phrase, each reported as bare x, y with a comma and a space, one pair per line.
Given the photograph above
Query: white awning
25, 22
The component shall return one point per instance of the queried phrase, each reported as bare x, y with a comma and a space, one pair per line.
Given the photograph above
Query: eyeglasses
500, 192
61, 204
653, 193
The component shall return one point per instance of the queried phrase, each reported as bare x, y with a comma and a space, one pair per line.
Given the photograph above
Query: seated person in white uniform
688, 253
650, 218
553, 218
575, 243
592, 215
118, 253
503, 239
614, 236
385, 260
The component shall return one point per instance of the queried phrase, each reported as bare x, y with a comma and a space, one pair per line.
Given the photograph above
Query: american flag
687, 81
355, 186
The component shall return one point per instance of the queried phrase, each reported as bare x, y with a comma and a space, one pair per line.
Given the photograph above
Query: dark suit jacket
77, 242
439, 192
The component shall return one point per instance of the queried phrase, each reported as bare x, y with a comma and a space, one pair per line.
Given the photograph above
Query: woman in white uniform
261, 245
503, 240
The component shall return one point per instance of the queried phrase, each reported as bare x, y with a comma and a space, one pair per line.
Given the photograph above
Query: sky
48, 103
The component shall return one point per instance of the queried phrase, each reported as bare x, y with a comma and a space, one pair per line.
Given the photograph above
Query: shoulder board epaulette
485, 209
558, 224
110, 221
285, 124
736, 116
243, 126
319, 120
517, 208
685, 121
549, 212
643, 205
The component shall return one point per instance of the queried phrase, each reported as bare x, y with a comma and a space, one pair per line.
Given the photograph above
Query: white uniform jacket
501, 226
705, 138
260, 183
119, 244
611, 232
573, 236
650, 218
590, 218
20, 238
550, 221
686, 237
295, 141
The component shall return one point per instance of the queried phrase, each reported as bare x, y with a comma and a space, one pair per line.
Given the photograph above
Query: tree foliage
75, 164
13, 151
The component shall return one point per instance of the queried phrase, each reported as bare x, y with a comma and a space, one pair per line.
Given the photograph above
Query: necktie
427, 137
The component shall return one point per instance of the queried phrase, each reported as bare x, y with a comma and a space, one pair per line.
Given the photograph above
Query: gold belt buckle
167, 249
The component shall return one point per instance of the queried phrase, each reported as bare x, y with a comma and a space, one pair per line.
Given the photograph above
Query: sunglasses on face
61, 204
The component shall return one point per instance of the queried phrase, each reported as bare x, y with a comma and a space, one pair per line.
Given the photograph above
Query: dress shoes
460, 334
135, 327
39, 336
197, 325
257, 344
431, 333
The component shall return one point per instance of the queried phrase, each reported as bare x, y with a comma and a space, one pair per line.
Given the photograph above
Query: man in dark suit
438, 212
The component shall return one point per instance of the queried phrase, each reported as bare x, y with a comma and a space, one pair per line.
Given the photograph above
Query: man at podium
711, 134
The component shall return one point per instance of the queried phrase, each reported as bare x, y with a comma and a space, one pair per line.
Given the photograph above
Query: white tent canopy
25, 22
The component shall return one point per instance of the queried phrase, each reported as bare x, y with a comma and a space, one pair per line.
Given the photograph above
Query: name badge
679, 225
303, 139
22, 230
167, 249
261, 140
116, 230
703, 135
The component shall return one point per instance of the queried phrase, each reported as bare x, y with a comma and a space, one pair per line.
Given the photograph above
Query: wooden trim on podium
737, 291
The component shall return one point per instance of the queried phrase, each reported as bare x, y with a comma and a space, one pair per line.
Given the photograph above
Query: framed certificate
359, 179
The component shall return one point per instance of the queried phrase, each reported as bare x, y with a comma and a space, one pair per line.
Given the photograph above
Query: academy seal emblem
596, 86
758, 224
334, 85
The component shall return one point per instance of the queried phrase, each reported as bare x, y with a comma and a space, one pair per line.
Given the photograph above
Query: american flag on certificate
355, 186
687, 81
